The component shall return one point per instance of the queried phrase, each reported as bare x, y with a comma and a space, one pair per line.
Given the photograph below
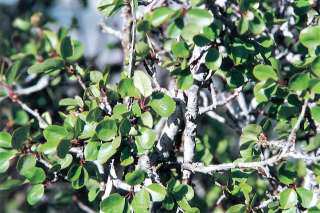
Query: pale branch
81, 83
117, 183
189, 133
171, 128
285, 153
40, 85
83, 207
294, 130
151, 6
133, 41
42, 123
106, 29
223, 102
199, 167
213, 95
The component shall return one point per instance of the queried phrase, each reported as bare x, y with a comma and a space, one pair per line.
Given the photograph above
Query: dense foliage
216, 109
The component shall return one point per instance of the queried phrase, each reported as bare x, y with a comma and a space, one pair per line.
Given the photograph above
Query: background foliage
212, 106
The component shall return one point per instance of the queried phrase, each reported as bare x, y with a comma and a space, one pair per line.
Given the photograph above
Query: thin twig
106, 29
199, 167
133, 41
205, 109
42, 123
83, 207
285, 153
40, 85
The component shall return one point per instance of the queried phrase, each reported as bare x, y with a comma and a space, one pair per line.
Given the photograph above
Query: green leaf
96, 76
257, 25
35, 194
55, 133
49, 65
26, 163
213, 59
200, 17
239, 208
142, 49
115, 203
264, 72
161, 15
147, 138
315, 66
287, 173
63, 148
82, 180
157, 192
141, 202
13, 72
147, 119
288, 199
5, 157
142, 82
136, 109
120, 109
21, 24
35, 175
127, 89
74, 172
243, 25
136, 177
310, 36
126, 157
299, 82
110, 7
5, 140
107, 130
315, 112
180, 49
314, 143
20, 136
184, 82
106, 151
183, 191
162, 104
71, 102
305, 197
71, 50
91, 151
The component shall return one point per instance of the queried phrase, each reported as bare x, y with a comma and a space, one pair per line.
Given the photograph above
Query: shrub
216, 110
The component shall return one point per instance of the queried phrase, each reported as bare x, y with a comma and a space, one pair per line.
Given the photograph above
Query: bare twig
106, 29
42, 123
199, 167
83, 207
133, 41
285, 153
81, 83
40, 85
220, 103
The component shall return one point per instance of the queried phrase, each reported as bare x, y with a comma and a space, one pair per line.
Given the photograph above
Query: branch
205, 109
292, 135
106, 29
40, 85
199, 167
42, 123
189, 133
133, 41
170, 130
82, 206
